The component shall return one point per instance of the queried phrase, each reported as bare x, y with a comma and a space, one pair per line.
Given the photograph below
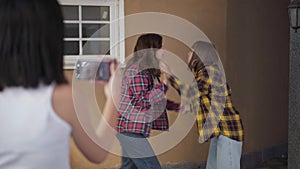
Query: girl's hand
165, 77
184, 108
165, 72
108, 88
164, 67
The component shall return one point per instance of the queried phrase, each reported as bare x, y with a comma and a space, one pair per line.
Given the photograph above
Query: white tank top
32, 136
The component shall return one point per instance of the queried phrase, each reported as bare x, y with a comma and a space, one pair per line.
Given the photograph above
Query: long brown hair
204, 54
145, 54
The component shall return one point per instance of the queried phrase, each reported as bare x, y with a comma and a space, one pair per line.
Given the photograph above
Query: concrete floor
277, 163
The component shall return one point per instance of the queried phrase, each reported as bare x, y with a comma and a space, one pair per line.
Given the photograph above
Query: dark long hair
204, 54
145, 54
31, 43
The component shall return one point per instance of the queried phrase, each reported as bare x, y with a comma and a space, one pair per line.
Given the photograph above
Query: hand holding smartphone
94, 70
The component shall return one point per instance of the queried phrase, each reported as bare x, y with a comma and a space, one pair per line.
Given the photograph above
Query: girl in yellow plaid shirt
210, 100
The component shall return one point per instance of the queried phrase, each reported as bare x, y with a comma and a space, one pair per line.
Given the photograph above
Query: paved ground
277, 163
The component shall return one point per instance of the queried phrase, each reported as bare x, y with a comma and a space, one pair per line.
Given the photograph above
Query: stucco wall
258, 68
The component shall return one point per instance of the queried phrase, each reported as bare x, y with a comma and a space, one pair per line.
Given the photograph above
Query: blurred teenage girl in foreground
37, 115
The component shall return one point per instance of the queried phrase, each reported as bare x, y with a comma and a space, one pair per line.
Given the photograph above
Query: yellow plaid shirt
209, 99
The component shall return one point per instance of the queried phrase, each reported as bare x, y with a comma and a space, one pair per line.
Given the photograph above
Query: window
93, 30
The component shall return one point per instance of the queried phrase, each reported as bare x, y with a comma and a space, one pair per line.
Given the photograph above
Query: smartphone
94, 70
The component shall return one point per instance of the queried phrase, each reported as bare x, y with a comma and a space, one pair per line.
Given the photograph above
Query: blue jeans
224, 153
137, 152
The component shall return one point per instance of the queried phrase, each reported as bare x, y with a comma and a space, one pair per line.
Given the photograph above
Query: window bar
80, 30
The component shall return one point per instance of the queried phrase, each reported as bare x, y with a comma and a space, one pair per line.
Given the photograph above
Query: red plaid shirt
143, 103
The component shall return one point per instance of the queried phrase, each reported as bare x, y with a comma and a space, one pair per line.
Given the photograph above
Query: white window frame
116, 22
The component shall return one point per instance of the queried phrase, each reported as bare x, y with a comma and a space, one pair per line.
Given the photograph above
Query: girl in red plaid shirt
142, 106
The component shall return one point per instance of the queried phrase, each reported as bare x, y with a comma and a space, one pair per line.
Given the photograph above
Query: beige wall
207, 15
257, 67
251, 37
